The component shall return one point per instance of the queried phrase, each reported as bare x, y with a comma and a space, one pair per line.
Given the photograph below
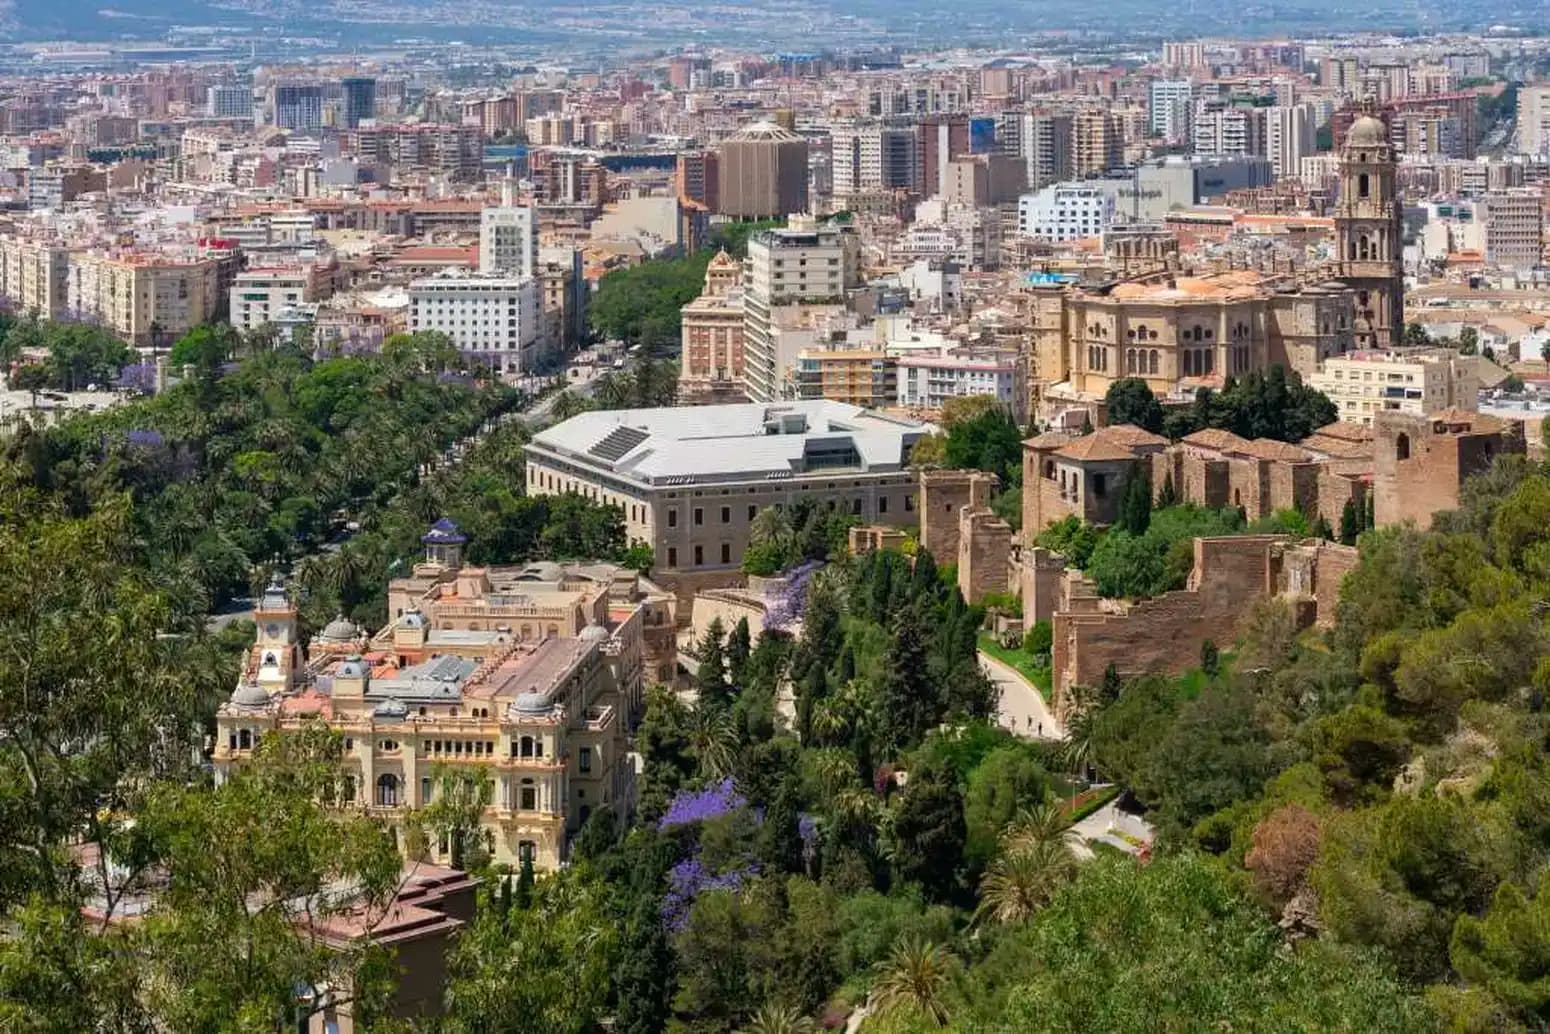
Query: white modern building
508, 241
927, 379
1289, 136
1065, 212
261, 297
1170, 108
691, 479
494, 320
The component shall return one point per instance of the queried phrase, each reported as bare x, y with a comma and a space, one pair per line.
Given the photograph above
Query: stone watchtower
943, 495
1421, 462
1367, 231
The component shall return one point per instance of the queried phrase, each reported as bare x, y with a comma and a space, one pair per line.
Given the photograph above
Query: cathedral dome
1367, 131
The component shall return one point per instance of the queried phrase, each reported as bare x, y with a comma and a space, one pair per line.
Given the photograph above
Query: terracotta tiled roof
1109, 443
1215, 438
1130, 434
1270, 449
1048, 440
1345, 430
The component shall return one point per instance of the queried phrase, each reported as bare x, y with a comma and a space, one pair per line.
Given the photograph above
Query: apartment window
672, 518
753, 511
348, 790
882, 504
425, 790
726, 515
726, 553
584, 759
672, 556
528, 798
699, 556
699, 516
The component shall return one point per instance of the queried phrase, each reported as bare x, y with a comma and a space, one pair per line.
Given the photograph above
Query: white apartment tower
508, 238
1171, 104
1288, 137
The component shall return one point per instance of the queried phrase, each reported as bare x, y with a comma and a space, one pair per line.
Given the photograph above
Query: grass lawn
1022, 662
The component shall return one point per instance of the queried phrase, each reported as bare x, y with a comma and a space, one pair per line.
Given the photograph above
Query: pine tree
643, 977
1210, 657
925, 581
1371, 520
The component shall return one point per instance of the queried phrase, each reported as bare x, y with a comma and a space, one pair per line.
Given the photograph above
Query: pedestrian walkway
1020, 706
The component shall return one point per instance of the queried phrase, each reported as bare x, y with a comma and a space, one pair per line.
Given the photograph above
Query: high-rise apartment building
1288, 137
229, 100
800, 264
871, 157
1514, 228
1046, 140
698, 179
940, 140
1534, 120
298, 106
360, 100
508, 239
1097, 143
1184, 55
1171, 103
1221, 128
763, 172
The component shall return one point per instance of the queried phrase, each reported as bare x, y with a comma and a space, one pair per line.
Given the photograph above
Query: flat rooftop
688, 444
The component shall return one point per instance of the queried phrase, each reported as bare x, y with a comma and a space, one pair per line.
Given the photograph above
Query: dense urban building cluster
1044, 537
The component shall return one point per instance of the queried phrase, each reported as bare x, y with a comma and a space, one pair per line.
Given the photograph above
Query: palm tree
1043, 823
779, 1019
713, 738
916, 973
769, 525
1023, 879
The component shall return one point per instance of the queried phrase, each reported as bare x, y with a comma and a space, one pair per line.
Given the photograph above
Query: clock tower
1367, 231
275, 663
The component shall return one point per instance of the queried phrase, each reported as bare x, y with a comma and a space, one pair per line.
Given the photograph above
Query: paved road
1022, 708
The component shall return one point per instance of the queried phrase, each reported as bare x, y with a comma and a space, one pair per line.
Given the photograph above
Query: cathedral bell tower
1367, 231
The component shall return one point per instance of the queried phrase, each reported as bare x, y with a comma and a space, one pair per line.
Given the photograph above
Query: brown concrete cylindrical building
762, 173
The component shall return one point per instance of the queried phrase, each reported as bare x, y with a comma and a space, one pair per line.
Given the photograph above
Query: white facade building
262, 297
1171, 107
927, 379
1289, 136
1065, 212
508, 241
493, 320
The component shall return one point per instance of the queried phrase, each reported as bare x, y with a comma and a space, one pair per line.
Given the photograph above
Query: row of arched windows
1141, 360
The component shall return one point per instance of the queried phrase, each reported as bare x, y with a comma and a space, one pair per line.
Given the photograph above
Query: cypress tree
1350, 523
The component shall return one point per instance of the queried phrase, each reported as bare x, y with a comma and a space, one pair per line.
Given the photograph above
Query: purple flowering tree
690, 878
691, 806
